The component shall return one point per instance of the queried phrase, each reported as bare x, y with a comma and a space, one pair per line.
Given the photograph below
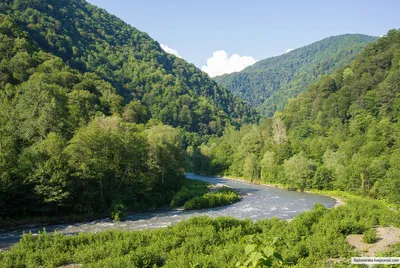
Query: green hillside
89, 39
94, 115
342, 134
269, 84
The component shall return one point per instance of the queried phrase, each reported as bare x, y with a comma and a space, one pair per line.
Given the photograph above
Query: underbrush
309, 240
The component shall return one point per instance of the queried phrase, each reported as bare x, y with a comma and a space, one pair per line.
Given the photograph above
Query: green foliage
223, 196
312, 238
370, 236
160, 85
298, 170
189, 190
118, 210
196, 194
341, 134
251, 169
260, 254
85, 100
269, 84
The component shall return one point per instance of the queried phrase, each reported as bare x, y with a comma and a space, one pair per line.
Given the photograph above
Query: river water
258, 202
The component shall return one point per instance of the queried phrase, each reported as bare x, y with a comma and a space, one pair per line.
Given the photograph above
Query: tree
50, 174
269, 167
322, 179
389, 186
96, 154
82, 107
166, 158
136, 112
298, 171
251, 169
43, 108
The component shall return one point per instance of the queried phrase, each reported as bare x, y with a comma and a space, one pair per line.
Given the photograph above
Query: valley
100, 121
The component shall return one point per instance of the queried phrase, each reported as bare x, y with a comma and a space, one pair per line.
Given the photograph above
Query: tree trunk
102, 195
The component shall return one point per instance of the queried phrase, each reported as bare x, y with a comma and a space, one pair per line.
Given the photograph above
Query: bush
370, 236
224, 196
189, 190
118, 210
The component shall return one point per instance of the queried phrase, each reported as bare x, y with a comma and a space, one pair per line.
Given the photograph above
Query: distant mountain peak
268, 84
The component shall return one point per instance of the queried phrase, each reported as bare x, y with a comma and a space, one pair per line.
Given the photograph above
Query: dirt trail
387, 236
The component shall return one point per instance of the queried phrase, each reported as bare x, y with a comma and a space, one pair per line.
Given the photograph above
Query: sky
224, 36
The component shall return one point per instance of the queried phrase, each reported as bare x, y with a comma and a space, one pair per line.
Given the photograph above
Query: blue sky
257, 29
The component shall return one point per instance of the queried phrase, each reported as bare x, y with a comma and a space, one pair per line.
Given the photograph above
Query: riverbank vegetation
312, 239
189, 190
221, 197
196, 194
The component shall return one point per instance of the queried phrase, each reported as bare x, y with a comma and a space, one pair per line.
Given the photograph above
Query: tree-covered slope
343, 133
89, 39
68, 144
270, 83
84, 104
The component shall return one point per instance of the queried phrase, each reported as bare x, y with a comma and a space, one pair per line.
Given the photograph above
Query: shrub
189, 190
223, 196
118, 210
370, 236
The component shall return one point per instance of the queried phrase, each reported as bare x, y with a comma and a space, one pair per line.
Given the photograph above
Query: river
258, 202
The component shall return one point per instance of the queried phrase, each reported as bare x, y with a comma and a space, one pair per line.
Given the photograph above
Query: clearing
387, 236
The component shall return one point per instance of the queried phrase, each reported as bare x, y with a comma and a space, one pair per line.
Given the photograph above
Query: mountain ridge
269, 83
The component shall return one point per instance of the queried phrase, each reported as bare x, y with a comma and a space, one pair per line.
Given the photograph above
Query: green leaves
249, 249
260, 253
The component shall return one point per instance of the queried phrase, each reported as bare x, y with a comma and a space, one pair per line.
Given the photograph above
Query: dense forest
270, 83
90, 40
94, 114
343, 133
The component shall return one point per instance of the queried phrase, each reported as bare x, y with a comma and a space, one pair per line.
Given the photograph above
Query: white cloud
288, 50
220, 63
170, 50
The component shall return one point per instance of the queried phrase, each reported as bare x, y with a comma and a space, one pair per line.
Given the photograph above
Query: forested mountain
343, 133
269, 84
89, 39
85, 101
